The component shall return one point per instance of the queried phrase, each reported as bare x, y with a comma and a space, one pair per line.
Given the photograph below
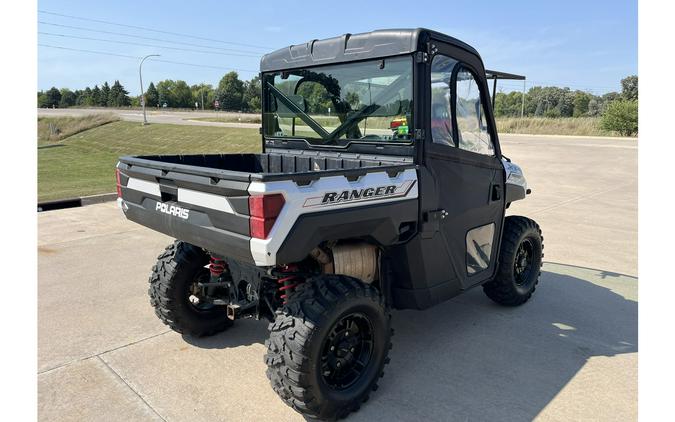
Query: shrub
621, 116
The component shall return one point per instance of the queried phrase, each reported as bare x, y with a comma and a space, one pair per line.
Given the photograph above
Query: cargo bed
204, 199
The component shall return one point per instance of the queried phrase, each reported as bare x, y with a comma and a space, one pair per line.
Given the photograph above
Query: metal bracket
419, 134
436, 215
431, 222
421, 57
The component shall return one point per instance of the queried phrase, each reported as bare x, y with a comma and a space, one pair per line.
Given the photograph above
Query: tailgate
206, 208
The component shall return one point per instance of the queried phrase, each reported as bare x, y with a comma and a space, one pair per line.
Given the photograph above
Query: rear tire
177, 269
520, 262
328, 346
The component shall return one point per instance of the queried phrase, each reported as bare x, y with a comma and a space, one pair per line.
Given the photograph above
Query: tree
105, 93
508, 105
230, 92
118, 96
85, 98
581, 102
52, 97
353, 99
629, 88
151, 96
95, 95
42, 99
165, 92
621, 116
182, 95
68, 98
252, 92
595, 107
209, 95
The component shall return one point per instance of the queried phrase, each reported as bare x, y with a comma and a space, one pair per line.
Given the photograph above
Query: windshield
365, 101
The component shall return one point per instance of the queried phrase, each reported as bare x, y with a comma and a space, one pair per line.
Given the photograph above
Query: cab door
463, 158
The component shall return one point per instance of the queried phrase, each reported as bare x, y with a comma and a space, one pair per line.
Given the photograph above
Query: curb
60, 204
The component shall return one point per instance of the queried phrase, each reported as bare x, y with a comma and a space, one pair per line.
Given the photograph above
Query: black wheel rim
347, 351
523, 266
195, 290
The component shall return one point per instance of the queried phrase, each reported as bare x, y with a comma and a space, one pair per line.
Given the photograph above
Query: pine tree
151, 96
118, 96
96, 96
105, 94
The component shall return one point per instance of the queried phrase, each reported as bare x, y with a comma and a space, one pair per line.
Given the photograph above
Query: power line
106, 53
122, 34
152, 30
146, 45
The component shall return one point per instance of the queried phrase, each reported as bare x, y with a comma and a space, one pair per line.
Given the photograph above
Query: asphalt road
152, 115
568, 354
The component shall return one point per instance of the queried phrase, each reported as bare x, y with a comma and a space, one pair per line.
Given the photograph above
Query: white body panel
307, 199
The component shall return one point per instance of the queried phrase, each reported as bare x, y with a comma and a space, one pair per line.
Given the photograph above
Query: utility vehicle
381, 185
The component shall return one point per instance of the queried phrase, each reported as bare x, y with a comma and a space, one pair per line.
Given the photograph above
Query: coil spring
217, 267
288, 281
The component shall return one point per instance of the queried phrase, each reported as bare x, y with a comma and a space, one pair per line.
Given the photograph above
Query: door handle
496, 194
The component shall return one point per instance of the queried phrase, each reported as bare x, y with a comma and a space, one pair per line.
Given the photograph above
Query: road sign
216, 104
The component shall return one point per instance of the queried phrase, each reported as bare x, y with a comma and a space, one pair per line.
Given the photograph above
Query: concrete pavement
569, 354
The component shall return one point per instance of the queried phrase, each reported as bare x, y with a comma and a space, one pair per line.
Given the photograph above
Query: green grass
579, 126
57, 128
84, 164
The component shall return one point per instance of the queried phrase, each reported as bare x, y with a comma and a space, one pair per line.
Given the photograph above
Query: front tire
520, 262
173, 277
328, 346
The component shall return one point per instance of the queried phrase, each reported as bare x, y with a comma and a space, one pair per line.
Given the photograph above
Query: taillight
264, 210
119, 183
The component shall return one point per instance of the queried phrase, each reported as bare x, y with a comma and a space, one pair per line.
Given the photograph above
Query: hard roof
351, 47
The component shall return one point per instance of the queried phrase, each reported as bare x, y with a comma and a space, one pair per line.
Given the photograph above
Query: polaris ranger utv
381, 185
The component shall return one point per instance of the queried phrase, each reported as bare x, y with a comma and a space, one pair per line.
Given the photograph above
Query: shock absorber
217, 268
288, 280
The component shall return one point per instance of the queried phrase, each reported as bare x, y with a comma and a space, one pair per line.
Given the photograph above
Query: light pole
140, 76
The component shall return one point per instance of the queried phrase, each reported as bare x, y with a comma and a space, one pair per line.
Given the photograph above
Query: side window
471, 123
441, 110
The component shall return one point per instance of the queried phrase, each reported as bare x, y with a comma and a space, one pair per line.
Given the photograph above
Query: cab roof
352, 47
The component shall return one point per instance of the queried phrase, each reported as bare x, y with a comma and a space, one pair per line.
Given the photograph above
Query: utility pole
202, 96
522, 102
140, 76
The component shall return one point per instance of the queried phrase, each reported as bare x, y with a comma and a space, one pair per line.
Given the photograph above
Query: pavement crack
130, 387
44, 371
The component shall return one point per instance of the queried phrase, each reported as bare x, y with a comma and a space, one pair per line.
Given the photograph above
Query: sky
587, 45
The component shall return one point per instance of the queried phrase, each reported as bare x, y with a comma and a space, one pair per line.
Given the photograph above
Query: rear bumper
201, 233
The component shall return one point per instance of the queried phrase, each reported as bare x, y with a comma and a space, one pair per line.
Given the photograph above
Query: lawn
57, 128
83, 164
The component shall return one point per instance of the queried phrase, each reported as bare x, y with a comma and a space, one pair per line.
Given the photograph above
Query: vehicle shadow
470, 359
242, 333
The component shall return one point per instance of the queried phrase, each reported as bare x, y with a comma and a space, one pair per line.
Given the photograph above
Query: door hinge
419, 134
431, 223
436, 215
421, 57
